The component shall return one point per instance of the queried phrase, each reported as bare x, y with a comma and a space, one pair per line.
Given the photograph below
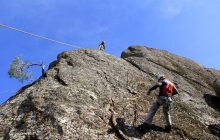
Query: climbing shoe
168, 128
144, 128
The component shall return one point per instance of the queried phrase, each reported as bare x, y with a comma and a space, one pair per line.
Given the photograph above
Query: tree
19, 70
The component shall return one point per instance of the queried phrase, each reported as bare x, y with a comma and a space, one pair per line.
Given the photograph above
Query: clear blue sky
189, 28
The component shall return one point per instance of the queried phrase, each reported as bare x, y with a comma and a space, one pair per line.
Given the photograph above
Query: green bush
19, 70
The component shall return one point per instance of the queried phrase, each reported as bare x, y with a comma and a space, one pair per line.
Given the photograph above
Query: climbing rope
38, 36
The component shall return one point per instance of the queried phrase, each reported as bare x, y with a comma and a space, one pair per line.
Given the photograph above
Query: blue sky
188, 28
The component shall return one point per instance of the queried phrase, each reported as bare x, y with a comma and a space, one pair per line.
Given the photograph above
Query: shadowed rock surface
89, 94
216, 86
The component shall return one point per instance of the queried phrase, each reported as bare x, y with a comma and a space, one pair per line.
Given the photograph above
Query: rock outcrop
216, 86
89, 94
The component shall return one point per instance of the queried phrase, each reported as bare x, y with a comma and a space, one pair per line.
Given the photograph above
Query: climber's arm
175, 91
153, 88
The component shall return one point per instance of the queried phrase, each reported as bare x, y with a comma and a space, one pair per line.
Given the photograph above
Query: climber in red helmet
167, 90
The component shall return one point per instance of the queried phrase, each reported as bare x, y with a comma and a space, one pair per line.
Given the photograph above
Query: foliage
19, 70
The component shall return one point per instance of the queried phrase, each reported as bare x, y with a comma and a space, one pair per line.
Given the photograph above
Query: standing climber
43, 71
102, 46
167, 90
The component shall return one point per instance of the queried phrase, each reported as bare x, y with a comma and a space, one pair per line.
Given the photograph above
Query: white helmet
161, 77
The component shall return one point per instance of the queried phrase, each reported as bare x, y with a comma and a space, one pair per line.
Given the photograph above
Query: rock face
216, 86
89, 94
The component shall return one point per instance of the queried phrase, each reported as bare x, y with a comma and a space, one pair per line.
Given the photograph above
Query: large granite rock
89, 94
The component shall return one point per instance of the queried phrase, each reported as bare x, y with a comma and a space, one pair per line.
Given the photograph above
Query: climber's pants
155, 106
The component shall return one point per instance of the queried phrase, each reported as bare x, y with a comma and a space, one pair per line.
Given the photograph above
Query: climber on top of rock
102, 46
167, 90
